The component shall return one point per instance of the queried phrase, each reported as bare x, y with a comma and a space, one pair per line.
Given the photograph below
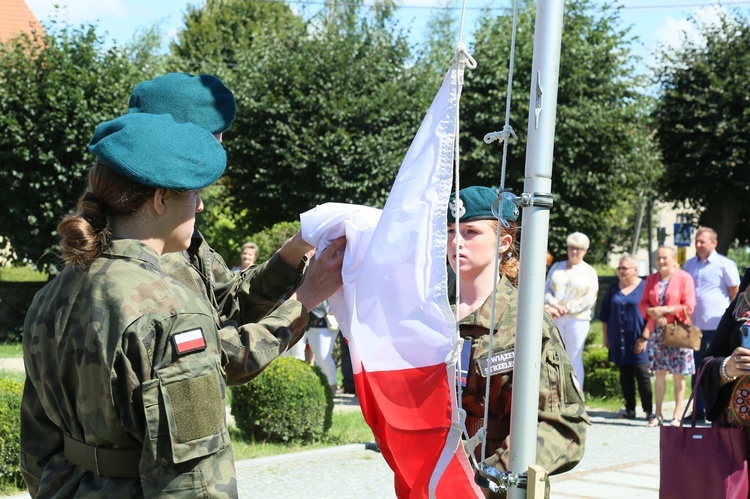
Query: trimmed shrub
602, 377
10, 432
603, 383
288, 401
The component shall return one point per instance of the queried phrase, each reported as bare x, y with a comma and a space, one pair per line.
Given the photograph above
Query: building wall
664, 216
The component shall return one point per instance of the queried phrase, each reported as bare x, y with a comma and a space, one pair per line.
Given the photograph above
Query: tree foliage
604, 157
219, 31
704, 122
54, 90
326, 112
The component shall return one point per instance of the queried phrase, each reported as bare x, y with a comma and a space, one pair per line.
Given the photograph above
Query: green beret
155, 150
200, 99
475, 203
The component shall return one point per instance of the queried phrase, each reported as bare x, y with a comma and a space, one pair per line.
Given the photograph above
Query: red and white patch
189, 341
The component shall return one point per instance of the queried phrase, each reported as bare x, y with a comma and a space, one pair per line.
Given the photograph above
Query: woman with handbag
668, 296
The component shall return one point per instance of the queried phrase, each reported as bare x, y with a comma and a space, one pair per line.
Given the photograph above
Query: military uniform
126, 373
241, 297
561, 431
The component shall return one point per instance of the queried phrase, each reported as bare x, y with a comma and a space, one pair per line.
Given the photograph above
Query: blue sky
654, 21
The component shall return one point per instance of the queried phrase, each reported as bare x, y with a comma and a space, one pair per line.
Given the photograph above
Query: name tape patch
501, 362
189, 341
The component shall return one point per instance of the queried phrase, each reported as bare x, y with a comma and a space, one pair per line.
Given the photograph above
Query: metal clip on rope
495, 480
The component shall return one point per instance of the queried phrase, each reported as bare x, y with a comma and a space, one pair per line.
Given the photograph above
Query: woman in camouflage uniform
126, 367
562, 417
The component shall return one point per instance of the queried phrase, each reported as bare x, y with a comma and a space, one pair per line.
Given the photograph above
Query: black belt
497, 429
102, 461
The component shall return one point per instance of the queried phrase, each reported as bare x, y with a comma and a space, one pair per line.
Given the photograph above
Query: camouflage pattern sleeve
41, 437
561, 431
243, 297
261, 288
251, 347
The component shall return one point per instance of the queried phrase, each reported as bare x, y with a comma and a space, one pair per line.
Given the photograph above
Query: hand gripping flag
394, 310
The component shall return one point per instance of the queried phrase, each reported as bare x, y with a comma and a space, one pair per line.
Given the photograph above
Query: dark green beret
155, 150
200, 99
475, 203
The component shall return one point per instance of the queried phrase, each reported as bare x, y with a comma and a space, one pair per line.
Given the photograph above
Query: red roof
15, 18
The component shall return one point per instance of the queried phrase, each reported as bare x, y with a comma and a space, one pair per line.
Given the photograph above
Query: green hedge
15, 299
602, 376
290, 400
10, 432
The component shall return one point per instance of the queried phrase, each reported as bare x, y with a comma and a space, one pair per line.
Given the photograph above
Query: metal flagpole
536, 202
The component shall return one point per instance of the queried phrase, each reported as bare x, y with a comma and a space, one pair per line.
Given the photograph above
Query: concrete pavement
621, 461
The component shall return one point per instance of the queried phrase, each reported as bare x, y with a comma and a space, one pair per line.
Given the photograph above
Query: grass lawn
347, 427
10, 350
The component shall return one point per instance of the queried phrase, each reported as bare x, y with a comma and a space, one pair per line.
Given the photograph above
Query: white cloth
321, 340
393, 308
575, 287
574, 332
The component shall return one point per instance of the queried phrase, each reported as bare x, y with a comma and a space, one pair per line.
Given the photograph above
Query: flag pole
536, 202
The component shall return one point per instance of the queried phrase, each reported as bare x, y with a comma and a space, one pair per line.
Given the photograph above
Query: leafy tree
605, 159
54, 90
326, 112
704, 122
216, 32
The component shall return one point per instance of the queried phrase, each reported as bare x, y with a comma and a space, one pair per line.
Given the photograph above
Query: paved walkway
621, 461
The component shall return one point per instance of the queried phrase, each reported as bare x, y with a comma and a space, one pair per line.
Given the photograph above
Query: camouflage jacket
107, 365
561, 431
242, 297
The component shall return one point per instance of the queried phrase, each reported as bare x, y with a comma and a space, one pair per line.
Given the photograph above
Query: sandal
654, 420
674, 422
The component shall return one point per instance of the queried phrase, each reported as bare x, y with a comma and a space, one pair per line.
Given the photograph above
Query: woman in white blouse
569, 297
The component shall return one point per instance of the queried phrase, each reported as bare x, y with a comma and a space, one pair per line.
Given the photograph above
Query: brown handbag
682, 334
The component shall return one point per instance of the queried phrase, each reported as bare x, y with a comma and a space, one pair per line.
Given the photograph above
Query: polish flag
394, 310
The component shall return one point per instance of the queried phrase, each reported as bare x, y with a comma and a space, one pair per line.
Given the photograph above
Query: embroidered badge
189, 341
501, 362
457, 208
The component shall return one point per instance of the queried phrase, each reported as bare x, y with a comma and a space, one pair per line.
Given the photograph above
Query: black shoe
699, 418
350, 390
625, 414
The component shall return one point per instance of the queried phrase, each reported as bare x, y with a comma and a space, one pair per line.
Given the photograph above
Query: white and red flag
394, 311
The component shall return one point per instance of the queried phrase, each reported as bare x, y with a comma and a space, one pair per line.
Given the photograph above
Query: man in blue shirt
716, 284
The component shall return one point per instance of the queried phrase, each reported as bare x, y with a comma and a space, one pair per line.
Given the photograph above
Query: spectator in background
716, 284
622, 324
248, 256
569, 297
321, 336
669, 294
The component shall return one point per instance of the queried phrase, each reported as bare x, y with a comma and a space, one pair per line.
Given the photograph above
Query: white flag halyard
394, 311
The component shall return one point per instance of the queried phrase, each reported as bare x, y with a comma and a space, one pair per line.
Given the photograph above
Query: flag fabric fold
394, 310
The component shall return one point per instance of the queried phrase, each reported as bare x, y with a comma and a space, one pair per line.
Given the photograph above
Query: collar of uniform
505, 310
132, 248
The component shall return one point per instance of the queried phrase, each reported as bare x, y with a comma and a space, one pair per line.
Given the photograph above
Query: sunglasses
624, 268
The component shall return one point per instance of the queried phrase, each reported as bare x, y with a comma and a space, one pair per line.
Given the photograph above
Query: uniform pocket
185, 409
554, 384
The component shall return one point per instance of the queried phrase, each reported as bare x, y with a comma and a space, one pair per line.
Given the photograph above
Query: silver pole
538, 182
